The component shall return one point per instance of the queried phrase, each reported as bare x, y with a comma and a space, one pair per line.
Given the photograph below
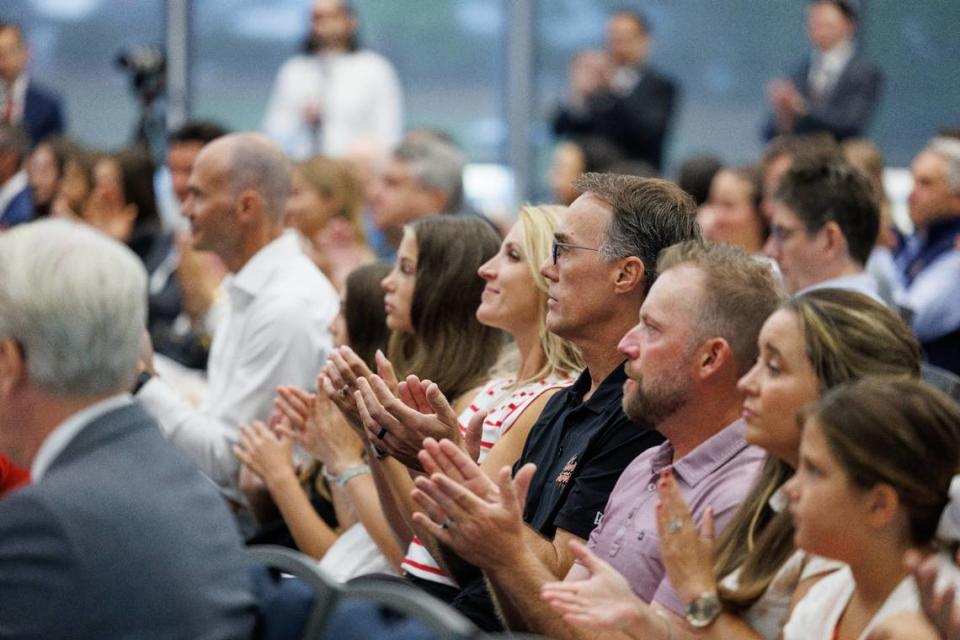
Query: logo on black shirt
568, 470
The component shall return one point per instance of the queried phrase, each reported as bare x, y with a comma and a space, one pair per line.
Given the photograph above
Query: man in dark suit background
836, 88
617, 96
16, 199
22, 101
119, 536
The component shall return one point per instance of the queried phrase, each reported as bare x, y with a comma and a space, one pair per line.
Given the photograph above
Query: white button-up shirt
276, 332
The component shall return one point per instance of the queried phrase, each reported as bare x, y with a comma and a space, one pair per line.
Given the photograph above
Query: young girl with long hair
877, 459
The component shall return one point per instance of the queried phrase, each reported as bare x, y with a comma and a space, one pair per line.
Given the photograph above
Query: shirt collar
255, 275
861, 282
18, 87
611, 386
712, 454
64, 433
837, 58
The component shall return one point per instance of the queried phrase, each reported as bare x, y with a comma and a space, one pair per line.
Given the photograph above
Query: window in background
451, 59
74, 45
449, 55
723, 58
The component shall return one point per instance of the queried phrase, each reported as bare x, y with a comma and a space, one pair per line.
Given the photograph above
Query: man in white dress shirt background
280, 306
335, 97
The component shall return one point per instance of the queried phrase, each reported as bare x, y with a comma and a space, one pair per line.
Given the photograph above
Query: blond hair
539, 223
739, 294
333, 178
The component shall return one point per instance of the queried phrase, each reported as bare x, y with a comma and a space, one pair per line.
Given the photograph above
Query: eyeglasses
780, 233
557, 246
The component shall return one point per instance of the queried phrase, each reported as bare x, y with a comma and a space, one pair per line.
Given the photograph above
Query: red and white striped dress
505, 405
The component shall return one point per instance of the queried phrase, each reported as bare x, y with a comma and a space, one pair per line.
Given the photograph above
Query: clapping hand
688, 555
468, 513
604, 601
325, 434
338, 379
399, 425
266, 453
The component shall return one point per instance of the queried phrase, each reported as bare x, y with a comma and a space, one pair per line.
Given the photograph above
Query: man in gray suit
837, 88
119, 536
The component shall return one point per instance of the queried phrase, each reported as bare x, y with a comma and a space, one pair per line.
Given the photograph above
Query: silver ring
383, 432
344, 390
446, 523
674, 525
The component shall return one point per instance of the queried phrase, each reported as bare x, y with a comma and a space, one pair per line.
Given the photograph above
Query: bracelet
351, 473
666, 620
329, 477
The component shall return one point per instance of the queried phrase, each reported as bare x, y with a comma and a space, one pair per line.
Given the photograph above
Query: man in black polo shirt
603, 264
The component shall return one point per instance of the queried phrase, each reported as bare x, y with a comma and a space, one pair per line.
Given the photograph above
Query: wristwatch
702, 611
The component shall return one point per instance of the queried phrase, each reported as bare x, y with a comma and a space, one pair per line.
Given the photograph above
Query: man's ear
835, 243
13, 367
249, 204
630, 275
714, 354
438, 199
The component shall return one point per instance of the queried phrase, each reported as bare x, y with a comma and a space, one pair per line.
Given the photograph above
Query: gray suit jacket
847, 109
122, 538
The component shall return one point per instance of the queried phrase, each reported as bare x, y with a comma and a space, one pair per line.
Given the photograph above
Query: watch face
704, 610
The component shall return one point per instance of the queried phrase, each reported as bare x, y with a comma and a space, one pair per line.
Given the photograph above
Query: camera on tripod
147, 67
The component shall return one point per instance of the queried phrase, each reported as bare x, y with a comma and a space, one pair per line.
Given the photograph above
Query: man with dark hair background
826, 217
16, 200
618, 96
22, 101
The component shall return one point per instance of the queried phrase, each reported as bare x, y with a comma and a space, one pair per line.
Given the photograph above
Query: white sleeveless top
768, 613
354, 554
505, 405
816, 616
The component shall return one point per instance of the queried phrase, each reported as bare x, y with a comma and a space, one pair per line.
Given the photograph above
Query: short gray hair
76, 302
436, 164
255, 162
948, 149
649, 215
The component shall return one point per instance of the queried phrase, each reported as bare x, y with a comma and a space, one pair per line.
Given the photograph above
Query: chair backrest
445, 621
942, 379
288, 605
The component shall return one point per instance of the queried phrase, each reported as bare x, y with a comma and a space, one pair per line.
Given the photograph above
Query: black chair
445, 621
296, 607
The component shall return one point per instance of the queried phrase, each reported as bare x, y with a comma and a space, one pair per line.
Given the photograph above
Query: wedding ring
446, 523
383, 432
344, 390
674, 525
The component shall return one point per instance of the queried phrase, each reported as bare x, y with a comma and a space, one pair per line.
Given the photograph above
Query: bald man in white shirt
276, 331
